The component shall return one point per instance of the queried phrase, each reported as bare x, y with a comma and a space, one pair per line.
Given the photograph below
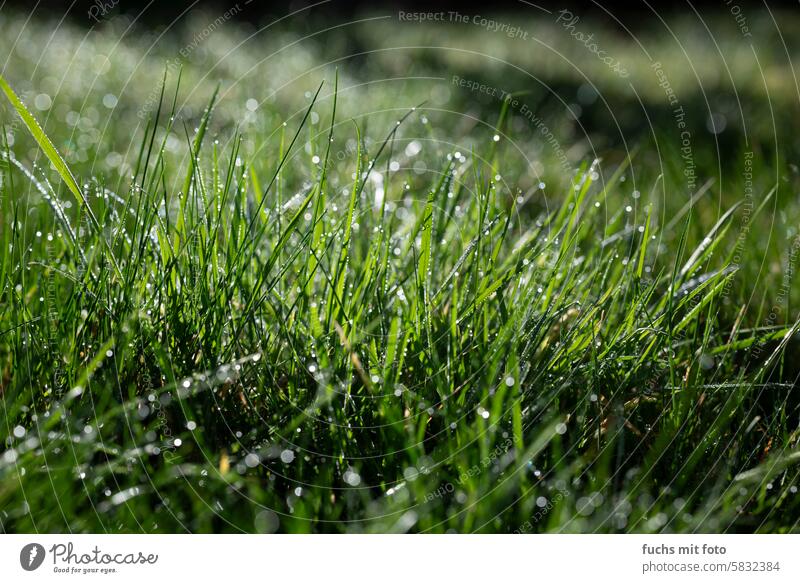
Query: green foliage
335, 351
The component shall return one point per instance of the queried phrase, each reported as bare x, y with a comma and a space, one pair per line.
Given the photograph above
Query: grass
285, 331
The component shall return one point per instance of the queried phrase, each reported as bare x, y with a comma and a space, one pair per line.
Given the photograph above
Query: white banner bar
401, 558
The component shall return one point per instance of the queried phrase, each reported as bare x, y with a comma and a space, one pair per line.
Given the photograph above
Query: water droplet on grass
266, 522
352, 478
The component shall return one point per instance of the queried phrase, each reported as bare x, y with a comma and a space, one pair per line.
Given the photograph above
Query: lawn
369, 277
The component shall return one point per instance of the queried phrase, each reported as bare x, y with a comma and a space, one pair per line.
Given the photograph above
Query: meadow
388, 276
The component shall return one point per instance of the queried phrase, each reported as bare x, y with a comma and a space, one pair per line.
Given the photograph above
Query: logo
31, 556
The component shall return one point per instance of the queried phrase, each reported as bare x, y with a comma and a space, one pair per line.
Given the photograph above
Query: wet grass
297, 341
242, 300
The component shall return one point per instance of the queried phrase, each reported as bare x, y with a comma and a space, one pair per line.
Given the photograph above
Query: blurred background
700, 101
